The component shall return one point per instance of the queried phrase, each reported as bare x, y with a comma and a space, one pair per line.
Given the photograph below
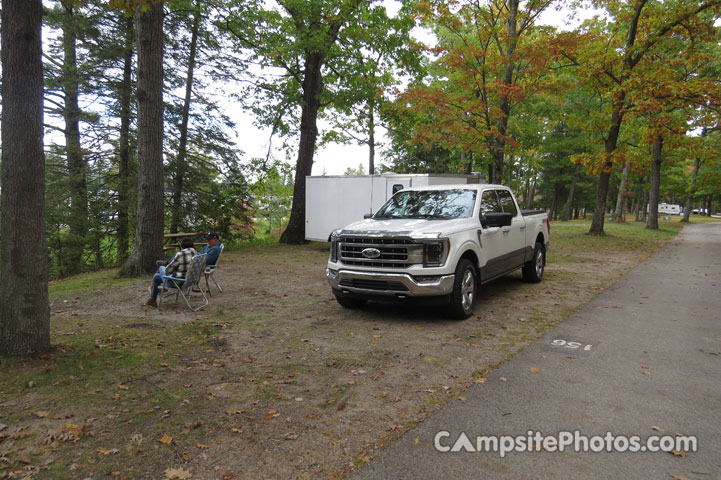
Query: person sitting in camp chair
177, 267
212, 249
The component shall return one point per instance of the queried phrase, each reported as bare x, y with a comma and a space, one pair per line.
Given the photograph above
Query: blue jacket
213, 254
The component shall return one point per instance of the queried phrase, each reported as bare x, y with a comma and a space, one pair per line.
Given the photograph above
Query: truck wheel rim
539, 264
467, 290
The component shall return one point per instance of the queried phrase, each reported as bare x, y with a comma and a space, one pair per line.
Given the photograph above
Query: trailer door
396, 184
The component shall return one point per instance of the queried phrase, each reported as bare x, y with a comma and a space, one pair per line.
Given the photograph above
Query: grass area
619, 237
273, 379
87, 282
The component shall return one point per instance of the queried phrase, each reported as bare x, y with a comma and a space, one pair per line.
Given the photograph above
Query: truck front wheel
465, 288
349, 302
533, 269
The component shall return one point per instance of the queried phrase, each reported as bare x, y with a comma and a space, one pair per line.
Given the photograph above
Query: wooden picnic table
169, 237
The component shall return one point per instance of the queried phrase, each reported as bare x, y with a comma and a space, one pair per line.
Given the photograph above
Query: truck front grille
394, 252
373, 284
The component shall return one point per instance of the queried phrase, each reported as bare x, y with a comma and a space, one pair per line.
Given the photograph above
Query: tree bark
599, 212
180, 160
568, 209
620, 203
312, 88
77, 167
692, 191
554, 201
371, 138
125, 95
531, 194
498, 147
24, 307
149, 231
655, 183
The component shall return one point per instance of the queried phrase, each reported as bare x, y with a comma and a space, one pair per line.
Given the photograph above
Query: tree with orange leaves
489, 55
623, 55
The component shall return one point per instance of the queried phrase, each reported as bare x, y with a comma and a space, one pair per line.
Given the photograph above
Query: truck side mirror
496, 219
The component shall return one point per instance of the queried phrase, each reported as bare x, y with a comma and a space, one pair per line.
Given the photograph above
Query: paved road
665, 315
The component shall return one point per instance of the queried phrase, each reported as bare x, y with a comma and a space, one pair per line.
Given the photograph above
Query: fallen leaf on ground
462, 398
271, 414
534, 370
166, 439
648, 373
177, 473
678, 453
480, 380
658, 429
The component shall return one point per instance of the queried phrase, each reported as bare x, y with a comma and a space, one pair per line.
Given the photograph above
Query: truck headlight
334, 247
435, 253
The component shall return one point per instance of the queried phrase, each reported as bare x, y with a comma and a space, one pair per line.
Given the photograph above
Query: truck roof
471, 186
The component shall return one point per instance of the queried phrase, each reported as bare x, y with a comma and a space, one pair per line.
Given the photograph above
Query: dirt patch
273, 379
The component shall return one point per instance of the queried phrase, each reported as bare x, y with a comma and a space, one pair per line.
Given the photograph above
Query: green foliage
272, 194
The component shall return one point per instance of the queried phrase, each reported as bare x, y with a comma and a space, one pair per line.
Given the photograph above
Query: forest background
137, 103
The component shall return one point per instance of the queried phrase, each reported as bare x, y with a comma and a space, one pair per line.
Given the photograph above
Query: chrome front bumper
389, 284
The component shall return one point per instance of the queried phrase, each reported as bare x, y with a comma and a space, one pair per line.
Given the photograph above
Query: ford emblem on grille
371, 253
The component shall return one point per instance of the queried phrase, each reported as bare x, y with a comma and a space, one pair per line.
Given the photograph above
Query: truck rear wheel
465, 288
533, 269
349, 302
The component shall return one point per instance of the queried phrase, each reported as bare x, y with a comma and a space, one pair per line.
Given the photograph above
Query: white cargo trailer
333, 201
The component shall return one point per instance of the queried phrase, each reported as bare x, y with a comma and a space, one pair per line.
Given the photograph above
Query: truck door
514, 235
494, 246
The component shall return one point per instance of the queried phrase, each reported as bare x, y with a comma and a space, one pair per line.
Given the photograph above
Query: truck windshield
439, 204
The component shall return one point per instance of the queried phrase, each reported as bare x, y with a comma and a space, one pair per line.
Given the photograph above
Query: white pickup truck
440, 242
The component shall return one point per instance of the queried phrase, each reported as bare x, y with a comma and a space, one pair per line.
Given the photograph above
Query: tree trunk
24, 307
692, 191
125, 95
569, 201
655, 183
531, 194
371, 138
599, 212
644, 207
498, 147
180, 159
554, 202
620, 199
708, 205
77, 167
149, 231
312, 88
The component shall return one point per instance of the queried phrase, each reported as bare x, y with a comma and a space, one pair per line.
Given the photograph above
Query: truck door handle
506, 230
523, 227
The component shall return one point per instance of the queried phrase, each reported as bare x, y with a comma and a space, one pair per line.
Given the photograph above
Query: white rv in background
334, 201
668, 209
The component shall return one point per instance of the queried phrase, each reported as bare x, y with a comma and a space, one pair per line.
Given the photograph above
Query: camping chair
210, 270
184, 286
